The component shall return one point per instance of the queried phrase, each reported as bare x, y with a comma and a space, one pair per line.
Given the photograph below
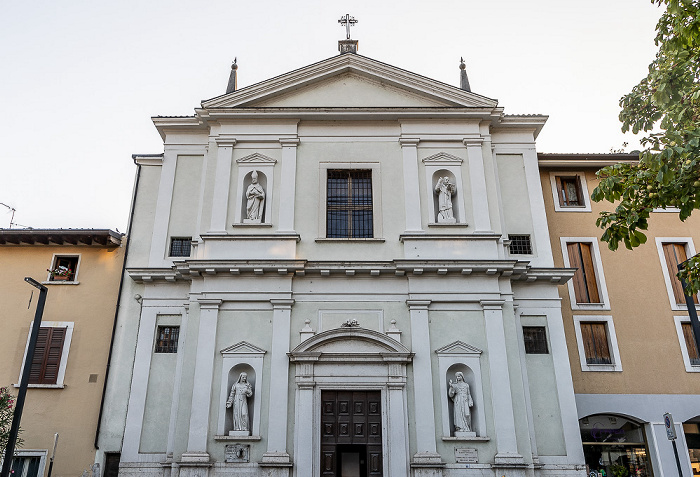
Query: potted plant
60, 274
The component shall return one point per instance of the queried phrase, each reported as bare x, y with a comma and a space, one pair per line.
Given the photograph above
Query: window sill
237, 438
590, 306
466, 439
65, 282
458, 225
43, 386
254, 225
345, 240
601, 367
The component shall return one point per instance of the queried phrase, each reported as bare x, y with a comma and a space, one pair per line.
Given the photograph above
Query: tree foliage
7, 410
666, 106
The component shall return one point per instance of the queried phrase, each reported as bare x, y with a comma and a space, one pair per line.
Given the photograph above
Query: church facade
343, 270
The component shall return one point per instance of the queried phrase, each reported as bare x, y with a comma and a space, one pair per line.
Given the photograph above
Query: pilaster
163, 203
426, 454
277, 454
203, 378
222, 184
409, 149
288, 184
477, 181
504, 420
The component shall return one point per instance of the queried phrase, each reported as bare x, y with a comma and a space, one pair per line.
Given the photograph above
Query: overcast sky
79, 80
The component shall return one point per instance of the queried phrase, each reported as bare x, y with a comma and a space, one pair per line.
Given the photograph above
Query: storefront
691, 430
614, 446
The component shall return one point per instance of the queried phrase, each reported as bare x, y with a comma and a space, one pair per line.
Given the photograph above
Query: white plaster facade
271, 298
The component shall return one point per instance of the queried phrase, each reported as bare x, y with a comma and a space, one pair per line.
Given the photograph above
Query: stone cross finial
347, 21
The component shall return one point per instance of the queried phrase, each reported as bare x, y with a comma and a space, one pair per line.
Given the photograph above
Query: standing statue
445, 189
462, 398
238, 400
255, 196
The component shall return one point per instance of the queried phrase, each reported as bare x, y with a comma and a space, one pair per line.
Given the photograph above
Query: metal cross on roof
347, 21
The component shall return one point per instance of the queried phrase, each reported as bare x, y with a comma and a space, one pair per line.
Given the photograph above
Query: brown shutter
675, 254
560, 192
585, 284
36, 371
595, 343
690, 342
47, 356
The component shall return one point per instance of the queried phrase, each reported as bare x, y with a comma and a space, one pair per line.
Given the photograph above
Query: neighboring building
313, 259
68, 371
632, 353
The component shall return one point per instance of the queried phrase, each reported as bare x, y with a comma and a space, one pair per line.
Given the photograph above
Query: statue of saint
444, 188
462, 398
238, 400
255, 196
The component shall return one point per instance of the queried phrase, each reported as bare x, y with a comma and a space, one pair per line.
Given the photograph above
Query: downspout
119, 297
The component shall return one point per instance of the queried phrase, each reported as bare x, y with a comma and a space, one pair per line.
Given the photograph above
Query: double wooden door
351, 434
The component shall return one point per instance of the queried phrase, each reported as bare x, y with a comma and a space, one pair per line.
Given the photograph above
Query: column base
427, 459
503, 459
275, 459
195, 458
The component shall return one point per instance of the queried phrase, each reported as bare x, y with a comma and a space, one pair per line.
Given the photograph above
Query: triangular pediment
441, 158
242, 348
350, 81
458, 348
256, 158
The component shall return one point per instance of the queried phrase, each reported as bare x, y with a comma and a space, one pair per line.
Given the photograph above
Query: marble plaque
466, 455
237, 453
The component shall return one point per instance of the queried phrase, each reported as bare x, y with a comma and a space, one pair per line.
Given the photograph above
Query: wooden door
351, 424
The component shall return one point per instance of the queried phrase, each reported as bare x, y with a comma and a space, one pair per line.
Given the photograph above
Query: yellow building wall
642, 315
90, 305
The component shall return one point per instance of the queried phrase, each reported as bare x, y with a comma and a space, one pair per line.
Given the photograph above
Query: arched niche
459, 356
248, 186
233, 375
445, 179
351, 358
242, 357
444, 165
264, 167
470, 379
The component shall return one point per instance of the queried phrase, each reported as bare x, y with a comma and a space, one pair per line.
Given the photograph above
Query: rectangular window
166, 341
47, 356
584, 281
349, 204
690, 345
64, 268
675, 253
535, 338
26, 466
595, 342
520, 245
180, 246
569, 191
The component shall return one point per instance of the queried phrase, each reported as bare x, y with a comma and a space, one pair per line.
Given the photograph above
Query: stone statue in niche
462, 399
238, 400
445, 189
255, 201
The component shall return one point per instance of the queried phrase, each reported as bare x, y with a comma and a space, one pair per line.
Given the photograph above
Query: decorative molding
242, 347
442, 158
458, 348
256, 158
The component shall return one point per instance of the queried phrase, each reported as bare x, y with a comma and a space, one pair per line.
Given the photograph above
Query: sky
81, 79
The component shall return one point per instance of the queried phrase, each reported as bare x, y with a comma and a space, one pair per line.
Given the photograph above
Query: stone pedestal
465, 434
239, 433
427, 464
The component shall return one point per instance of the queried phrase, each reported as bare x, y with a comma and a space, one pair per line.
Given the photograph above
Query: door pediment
344, 343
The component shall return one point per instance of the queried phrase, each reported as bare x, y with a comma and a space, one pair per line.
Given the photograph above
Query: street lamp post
21, 395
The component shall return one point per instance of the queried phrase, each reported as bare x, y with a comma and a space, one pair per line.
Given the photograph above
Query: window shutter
585, 284
675, 254
47, 356
595, 343
690, 344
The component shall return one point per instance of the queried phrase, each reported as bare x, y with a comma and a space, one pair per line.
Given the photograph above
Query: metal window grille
166, 341
349, 204
180, 246
520, 245
535, 338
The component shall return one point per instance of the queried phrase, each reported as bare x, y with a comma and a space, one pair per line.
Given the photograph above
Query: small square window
166, 341
535, 338
64, 268
180, 246
570, 191
520, 245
